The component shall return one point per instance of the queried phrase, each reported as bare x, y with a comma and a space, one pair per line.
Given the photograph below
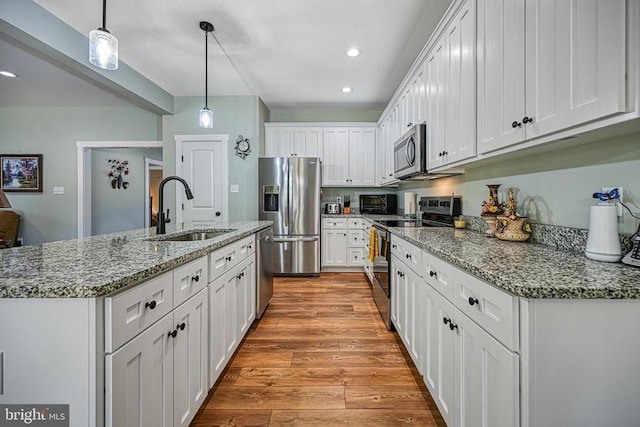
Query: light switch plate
58, 190
235, 188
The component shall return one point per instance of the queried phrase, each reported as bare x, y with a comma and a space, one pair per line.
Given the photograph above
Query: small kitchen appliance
378, 204
603, 243
332, 208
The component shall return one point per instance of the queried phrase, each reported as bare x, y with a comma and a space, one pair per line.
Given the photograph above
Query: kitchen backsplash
562, 238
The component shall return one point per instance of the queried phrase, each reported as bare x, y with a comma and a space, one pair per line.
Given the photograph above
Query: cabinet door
190, 360
460, 117
334, 248
381, 158
415, 317
231, 301
439, 364
501, 88
139, 379
488, 375
399, 298
218, 319
436, 66
409, 282
278, 142
575, 62
362, 157
246, 295
418, 97
306, 142
335, 157
355, 257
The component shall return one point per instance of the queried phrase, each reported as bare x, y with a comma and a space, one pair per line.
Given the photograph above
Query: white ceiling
291, 53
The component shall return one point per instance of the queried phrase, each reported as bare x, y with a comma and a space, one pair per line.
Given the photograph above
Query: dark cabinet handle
409, 124
150, 305
228, 258
408, 256
218, 214
390, 174
452, 325
473, 301
181, 326
445, 320
432, 273
173, 333
394, 246
527, 119
196, 278
516, 124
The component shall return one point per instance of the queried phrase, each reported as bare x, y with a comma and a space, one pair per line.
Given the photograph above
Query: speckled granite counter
525, 269
99, 265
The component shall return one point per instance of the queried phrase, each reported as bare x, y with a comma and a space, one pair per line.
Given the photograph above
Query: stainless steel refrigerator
289, 191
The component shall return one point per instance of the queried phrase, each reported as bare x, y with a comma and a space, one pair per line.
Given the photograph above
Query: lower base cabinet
160, 377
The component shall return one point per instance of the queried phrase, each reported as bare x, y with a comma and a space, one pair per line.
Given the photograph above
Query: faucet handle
167, 220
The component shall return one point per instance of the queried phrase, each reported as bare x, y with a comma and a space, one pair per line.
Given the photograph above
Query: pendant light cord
206, 69
104, 15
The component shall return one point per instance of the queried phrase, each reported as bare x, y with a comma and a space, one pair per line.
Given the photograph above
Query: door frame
222, 139
84, 175
149, 165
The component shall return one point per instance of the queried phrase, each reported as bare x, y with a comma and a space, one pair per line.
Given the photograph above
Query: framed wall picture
21, 172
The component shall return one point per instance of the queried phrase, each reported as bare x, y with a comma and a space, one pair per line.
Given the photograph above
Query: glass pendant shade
206, 118
103, 49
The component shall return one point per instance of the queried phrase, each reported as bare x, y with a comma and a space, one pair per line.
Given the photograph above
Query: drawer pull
452, 325
394, 246
228, 258
473, 301
408, 256
181, 326
446, 320
173, 333
196, 278
150, 305
432, 273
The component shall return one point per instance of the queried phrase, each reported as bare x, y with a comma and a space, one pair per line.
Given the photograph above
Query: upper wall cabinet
292, 141
451, 91
566, 69
349, 157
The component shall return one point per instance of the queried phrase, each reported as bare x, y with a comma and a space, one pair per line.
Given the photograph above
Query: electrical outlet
235, 188
58, 190
339, 200
620, 192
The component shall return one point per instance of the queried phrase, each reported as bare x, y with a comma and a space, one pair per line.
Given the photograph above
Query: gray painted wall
233, 116
118, 209
555, 187
53, 132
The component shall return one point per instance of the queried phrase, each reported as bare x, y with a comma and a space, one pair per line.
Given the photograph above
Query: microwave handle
410, 158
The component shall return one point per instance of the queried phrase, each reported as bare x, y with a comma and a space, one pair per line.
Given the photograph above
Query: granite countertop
99, 265
526, 269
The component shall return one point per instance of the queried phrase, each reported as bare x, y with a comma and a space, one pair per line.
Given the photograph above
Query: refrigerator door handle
295, 239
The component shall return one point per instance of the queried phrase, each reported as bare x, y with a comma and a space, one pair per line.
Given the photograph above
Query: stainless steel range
436, 212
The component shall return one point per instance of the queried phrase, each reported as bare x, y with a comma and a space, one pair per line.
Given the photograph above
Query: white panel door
335, 157
204, 167
575, 62
461, 85
139, 380
488, 375
501, 87
436, 66
190, 361
362, 157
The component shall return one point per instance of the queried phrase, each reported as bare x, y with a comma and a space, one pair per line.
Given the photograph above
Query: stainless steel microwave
410, 153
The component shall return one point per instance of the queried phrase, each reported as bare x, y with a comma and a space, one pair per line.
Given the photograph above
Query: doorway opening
153, 173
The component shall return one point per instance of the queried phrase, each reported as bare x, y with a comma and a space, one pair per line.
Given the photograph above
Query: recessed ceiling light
346, 89
353, 52
8, 74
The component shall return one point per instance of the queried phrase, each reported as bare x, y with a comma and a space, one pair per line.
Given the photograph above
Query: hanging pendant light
206, 115
103, 46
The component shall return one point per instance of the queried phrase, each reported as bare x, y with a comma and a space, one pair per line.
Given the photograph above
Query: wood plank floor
320, 356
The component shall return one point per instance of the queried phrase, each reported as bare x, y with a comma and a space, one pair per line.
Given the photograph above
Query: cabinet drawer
131, 312
222, 260
246, 247
355, 222
334, 223
495, 310
356, 256
189, 279
438, 274
408, 253
355, 239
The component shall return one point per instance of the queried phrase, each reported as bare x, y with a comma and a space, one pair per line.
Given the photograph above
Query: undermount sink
195, 236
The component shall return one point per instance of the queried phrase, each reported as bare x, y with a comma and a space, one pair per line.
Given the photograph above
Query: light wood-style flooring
320, 356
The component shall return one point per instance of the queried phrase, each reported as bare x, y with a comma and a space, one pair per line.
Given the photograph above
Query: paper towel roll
409, 203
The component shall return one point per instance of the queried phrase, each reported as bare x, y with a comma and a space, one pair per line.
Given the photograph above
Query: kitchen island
80, 319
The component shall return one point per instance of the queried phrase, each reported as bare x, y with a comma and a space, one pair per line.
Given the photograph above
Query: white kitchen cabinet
546, 66
220, 318
139, 387
343, 242
292, 141
348, 157
451, 91
246, 295
398, 297
334, 247
190, 358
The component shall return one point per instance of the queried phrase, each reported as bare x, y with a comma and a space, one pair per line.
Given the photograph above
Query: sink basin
195, 236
